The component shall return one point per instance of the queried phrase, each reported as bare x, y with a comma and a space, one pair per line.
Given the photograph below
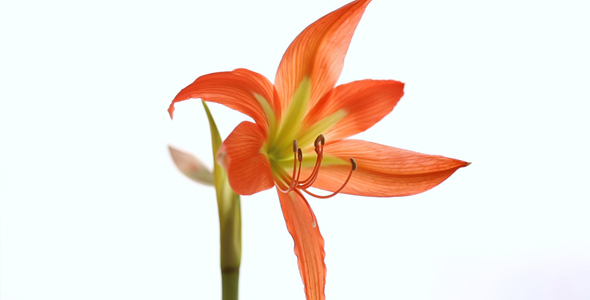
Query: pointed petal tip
384, 171
460, 164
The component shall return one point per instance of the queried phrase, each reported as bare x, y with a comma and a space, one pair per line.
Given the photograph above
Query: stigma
297, 184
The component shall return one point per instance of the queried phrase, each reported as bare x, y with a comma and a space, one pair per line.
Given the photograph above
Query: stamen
298, 186
352, 169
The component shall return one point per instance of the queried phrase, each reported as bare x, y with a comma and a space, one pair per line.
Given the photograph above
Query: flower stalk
230, 221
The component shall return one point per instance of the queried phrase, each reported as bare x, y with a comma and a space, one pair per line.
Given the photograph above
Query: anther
353, 163
300, 159
295, 146
319, 143
319, 140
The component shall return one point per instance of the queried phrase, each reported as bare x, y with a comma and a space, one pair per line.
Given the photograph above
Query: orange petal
318, 53
365, 103
248, 170
309, 243
384, 171
233, 89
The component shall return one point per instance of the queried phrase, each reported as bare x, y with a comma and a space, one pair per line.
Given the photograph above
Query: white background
92, 206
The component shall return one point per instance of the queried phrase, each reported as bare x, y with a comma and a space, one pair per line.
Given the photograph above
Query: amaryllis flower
298, 140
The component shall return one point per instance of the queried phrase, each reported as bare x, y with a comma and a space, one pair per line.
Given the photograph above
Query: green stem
230, 243
229, 282
230, 221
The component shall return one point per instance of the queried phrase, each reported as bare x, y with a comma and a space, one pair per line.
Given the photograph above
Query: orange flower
299, 136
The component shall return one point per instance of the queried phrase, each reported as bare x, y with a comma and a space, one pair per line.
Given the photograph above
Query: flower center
298, 185
295, 122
